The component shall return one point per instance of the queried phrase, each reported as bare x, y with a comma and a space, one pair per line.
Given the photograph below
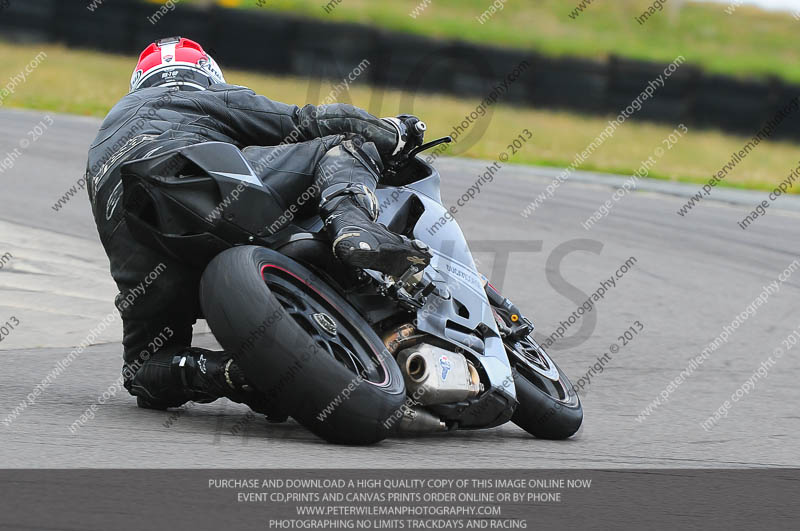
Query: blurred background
583, 62
603, 86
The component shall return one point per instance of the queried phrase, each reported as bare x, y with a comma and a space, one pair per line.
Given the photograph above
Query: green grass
89, 83
748, 42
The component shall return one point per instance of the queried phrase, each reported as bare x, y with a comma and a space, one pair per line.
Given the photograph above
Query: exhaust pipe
416, 368
416, 421
434, 375
401, 337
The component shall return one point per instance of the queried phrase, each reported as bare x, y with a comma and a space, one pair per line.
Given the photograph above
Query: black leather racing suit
158, 298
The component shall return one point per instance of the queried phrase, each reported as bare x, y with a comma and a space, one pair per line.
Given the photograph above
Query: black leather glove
410, 133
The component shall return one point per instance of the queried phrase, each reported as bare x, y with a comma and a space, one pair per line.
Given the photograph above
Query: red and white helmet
175, 61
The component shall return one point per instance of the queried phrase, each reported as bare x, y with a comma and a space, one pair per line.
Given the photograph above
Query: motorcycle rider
178, 97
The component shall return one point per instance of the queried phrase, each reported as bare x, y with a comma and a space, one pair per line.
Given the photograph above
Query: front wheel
549, 407
302, 345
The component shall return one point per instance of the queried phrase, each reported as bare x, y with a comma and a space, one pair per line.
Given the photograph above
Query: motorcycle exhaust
416, 421
401, 337
434, 375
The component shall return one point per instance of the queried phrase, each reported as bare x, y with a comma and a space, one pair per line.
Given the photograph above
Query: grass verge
89, 83
747, 42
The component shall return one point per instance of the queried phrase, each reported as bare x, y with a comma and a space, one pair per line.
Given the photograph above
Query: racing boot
197, 375
349, 174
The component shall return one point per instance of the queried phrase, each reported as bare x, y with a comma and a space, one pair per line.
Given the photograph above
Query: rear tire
306, 365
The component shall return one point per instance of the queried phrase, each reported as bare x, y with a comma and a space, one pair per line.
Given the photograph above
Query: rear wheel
549, 407
302, 344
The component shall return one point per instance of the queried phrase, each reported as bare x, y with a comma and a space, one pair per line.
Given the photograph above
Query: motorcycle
354, 356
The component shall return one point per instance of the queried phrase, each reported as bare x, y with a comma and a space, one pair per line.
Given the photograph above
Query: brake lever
396, 165
432, 144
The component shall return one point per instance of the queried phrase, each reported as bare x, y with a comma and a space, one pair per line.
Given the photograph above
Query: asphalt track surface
692, 276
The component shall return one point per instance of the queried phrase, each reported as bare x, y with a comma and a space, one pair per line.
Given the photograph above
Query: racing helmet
175, 62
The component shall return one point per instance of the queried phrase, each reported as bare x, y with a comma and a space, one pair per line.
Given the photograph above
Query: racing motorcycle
354, 356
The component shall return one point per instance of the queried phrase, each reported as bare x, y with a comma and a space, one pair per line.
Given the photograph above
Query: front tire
302, 344
549, 406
